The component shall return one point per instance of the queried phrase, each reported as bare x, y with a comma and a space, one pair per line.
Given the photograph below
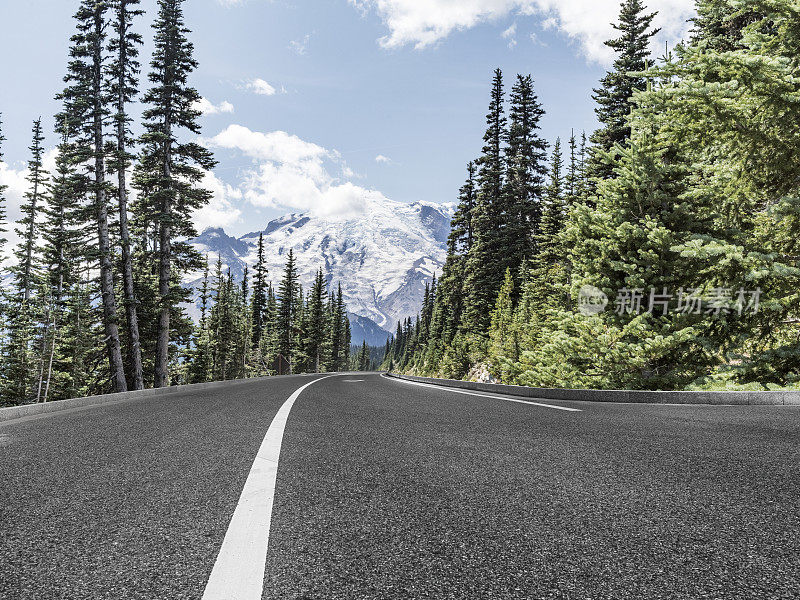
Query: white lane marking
238, 572
455, 391
352, 380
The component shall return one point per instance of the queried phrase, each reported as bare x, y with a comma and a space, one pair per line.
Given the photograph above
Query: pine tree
62, 259
26, 271
84, 114
171, 168
484, 272
526, 171
614, 97
289, 297
555, 210
19, 364
3, 214
363, 357
259, 294
503, 340
719, 24
201, 365
122, 86
317, 333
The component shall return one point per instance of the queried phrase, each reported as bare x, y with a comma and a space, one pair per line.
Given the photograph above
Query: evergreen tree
61, 257
19, 364
259, 293
201, 366
289, 298
171, 168
84, 114
719, 24
614, 97
526, 171
363, 357
484, 270
3, 214
122, 86
503, 340
316, 326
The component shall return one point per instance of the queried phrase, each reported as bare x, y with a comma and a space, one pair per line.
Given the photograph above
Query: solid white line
456, 391
238, 572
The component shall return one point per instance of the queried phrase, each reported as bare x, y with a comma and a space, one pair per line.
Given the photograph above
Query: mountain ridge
382, 257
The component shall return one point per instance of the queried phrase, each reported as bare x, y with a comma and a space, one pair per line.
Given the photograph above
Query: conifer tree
363, 357
26, 273
554, 211
61, 258
122, 85
614, 97
171, 168
316, 326
3, 213
526, 169
503, 340
259, 293
484, 272
84, 114
289, 297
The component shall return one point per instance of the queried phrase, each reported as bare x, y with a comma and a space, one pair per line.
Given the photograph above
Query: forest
661, 252
93, 301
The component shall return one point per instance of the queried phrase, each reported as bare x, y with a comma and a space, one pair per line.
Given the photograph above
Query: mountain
382, 257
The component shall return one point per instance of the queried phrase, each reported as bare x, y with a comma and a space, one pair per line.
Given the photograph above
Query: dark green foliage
614, 97
170, 169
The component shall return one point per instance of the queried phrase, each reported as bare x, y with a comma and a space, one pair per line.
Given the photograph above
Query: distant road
386, 489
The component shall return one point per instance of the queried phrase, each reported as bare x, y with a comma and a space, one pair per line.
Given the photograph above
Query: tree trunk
134, 345
164, 266
106, 276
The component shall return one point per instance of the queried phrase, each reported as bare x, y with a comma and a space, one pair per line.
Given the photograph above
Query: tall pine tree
171, 168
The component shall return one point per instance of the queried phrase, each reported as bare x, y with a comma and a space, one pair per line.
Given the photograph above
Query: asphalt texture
389, 490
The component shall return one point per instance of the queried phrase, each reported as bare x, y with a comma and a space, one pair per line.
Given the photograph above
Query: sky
323, 105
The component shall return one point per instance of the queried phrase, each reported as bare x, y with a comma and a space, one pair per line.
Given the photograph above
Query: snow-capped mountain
383, 257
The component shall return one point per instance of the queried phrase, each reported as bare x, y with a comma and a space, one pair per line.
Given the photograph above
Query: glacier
382, 257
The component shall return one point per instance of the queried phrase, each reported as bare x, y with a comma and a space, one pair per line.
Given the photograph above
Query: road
386, 489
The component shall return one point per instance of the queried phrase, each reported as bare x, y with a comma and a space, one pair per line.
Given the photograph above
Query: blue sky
313, 104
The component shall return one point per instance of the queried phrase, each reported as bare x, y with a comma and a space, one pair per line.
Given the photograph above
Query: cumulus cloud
383, 160
289, 172
221, 210
205, 106
260, 87
510, 34
422, 23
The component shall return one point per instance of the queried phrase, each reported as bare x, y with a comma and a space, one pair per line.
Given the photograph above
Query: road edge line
456, 391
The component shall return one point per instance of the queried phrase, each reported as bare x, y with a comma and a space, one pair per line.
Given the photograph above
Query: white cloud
381, 159
260, 87
423, 23
220, 211
289, 172
510, 34
205, 106
300, 46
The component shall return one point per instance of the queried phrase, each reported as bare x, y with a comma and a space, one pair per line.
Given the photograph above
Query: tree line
94, 300
661, 253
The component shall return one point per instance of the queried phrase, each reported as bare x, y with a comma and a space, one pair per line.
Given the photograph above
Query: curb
27, 410
787, 398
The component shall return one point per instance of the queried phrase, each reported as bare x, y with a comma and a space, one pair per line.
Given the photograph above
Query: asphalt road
389, 490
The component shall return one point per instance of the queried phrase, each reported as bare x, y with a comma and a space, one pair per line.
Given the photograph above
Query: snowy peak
382, 257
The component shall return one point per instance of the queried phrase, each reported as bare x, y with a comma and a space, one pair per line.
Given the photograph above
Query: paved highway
385, 489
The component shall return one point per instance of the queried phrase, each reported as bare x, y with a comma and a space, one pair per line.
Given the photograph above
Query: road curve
390, 490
